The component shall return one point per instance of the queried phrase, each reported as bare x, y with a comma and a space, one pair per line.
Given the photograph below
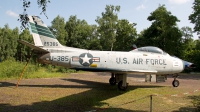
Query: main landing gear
175, 82
112, 80
120, 79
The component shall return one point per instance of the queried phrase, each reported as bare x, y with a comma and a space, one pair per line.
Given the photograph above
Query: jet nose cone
186, 64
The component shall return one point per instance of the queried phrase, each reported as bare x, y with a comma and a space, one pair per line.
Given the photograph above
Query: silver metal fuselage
113, 61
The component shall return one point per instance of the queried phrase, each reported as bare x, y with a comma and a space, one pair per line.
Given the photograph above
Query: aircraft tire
112, 81
120, 87
175, 83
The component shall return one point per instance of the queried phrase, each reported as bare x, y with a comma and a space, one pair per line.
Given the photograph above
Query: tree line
111, 34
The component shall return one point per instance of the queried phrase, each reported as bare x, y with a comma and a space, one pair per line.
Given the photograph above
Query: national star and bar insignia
85, 59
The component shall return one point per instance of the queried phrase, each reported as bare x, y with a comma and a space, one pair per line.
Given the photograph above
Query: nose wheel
175, 82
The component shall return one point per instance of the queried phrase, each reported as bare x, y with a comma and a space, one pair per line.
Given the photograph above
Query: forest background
110, 34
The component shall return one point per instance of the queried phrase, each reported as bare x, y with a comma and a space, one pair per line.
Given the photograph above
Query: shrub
49, 68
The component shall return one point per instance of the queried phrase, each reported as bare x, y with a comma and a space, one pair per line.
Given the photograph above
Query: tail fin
42, 36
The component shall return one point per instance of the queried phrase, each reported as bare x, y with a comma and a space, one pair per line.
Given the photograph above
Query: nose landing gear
175, 82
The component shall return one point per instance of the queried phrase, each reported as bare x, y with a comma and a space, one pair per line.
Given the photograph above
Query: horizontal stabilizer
32, 46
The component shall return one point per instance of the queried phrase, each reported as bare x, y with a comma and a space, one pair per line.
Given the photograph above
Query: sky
135, 11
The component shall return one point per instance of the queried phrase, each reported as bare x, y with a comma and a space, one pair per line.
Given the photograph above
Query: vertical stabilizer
42, 36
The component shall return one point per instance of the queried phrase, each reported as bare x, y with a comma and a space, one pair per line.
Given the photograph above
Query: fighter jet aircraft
148, 60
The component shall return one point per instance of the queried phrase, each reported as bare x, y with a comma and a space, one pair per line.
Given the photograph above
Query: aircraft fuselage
112, 60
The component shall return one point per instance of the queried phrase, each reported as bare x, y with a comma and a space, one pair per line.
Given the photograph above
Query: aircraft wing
115, 70
32, 46
141, 71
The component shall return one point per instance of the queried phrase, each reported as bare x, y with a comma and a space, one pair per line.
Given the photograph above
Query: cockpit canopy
151, 49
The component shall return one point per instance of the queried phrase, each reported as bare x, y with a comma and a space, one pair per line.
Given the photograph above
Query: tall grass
12, 69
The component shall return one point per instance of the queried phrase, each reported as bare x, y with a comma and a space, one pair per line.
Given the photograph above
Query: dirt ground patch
91, 91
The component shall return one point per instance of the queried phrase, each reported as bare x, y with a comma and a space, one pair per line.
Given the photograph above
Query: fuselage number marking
59, 58
50, 43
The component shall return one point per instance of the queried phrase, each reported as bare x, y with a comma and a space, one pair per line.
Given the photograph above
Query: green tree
164, 32
187, 43
197, 55
197, 44
187, 33
58, 29
147, 37
192, 52
187, 48
195, 16
108, 26
78, 31
93, 40
142, 40
8, 42
126, 35
23, 51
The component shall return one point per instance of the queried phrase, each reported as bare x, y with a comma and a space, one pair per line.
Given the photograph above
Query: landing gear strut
120, 79
121, 87
112, 80
175, 82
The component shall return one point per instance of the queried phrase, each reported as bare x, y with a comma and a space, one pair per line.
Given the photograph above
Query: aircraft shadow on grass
85, 101
84, 84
